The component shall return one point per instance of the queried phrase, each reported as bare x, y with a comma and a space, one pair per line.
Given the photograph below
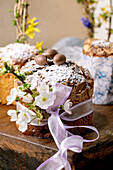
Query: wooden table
18, 151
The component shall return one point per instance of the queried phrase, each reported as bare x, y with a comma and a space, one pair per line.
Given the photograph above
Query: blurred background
58, 19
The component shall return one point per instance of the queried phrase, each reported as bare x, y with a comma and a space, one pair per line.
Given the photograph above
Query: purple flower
86, 22
37, 20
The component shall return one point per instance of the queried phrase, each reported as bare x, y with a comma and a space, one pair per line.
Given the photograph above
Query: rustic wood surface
18, 151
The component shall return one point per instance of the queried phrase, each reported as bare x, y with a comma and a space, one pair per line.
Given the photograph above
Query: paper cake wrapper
101, 69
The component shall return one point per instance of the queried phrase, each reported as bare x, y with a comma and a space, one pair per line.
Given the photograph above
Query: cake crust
6, 84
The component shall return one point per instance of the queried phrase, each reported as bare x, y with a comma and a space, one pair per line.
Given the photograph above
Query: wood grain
18, 151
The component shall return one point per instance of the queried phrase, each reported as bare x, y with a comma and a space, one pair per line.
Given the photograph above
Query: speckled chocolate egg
50, 53
40, 59
59, 59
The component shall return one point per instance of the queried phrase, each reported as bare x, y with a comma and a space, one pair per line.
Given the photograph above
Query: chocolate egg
40, 59
59, 59
50, 53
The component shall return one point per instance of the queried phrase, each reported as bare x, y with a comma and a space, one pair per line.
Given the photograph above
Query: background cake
16, 54
98, 58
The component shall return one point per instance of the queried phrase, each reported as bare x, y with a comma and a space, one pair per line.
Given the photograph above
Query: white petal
11, 98
67, 106
50, 97
23, 127
13, 91
43, 87
13, 118
33, 83
23, 117
28, 98
11, 112
13, 115
42, 105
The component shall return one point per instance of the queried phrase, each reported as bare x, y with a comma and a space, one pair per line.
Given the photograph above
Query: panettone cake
54, 69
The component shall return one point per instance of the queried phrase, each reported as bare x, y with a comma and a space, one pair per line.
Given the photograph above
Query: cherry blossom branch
21, 15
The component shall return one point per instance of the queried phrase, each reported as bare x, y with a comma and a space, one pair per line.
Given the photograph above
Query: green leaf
17, 99
10, 10
14, 22
20, 88
22, 76
29, 73
25, 4
22, 28
8, 67
92, 15
35, 94
79, 1
26, 86
3, 71
92, 1
111, 31
17, 15
31, 107
20, 40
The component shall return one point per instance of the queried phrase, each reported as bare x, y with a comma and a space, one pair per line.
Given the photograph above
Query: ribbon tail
59, 133
88, 127
57, 128
53, 163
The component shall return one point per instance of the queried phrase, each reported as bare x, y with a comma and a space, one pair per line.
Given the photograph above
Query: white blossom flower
11, 98
23, 117
13, 94
44, 100
43, 88
13, 115
27, 98
23, 127
67, 106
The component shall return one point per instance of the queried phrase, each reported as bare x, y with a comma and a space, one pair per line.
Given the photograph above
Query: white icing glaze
17, 53
53, 74
101, 42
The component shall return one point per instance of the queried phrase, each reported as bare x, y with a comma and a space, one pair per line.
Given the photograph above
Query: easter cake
98, 59
17, 54
51, 68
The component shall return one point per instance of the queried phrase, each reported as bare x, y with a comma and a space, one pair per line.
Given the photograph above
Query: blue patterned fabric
101, 69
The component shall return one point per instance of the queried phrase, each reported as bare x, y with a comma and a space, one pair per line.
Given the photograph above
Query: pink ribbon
62, 137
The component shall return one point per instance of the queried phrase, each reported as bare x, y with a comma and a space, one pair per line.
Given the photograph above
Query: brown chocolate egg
50, 53
40, 59
59, 59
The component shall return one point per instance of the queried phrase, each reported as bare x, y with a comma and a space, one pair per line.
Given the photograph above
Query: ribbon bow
62, 137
